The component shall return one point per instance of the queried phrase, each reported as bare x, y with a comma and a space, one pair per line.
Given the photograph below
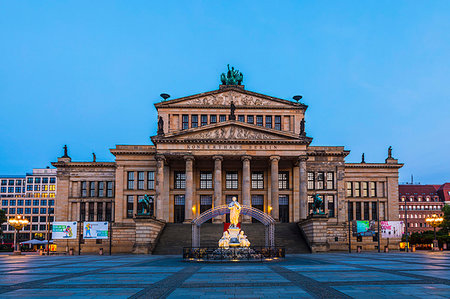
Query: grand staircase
175, 236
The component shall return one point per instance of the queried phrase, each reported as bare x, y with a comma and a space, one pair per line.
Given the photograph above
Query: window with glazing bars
231, 181
205, 180
350, 210
277, 122
373, 189
83, 189
330, 202
141, 180
374, 210
194, 121
257, 180
130, 181
250, 119
91, 189
320, 180
357, 189
241, 118
185, 122
180, 180
130, 204
101, 189
203, 120
366, 211
269, 121
365, 189
283, 180
151, 180
222, 118
259, 120
109, 189
358, 211
213, 119
82, 211
330, 180
310, 180
310, 204
100, 211
349, 192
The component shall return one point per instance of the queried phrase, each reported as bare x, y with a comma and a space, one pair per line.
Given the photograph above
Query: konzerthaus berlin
215, 145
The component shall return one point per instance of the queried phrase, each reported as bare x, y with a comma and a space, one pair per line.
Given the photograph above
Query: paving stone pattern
330, 275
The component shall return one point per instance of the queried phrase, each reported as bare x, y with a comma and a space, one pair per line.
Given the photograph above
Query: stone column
189, 195
246, 201
274, 185
218, 185
303, 187
159, 185
296, 191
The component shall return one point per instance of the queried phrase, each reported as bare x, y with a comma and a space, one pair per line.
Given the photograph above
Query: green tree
2, 219
445, 225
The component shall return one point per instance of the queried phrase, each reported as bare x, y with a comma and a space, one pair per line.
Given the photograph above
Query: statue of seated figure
225, 240
243, 241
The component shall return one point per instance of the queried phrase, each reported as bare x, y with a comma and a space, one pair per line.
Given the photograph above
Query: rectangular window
43, 210
250, 119
382, 211
213, 119
241, 118
130, 203
108, 214
330, 180
43, 202
91, 212
4, 182
28, 202
258, 180
349, 189
45, 188
18, 189
42, 218
185, 122
366, 211
52, 180
269, 121
100, 211
4, 202
51, 187
44, 180
35, 219
151, 180
83, 189
310, 180
34, 227
141, 180
36, 188
277, 122
374, 211
222, 118
29, 181
194, 121
365, 189
130, 180
330, 203
203, 120
320, 180
37, 180
358, 211
12, 210
12, 202
91, 189
20, 202
42, 227
259, 120
109, 189
51, 202
35, 202
310, 204
373, 189
357, 189
19, 210
3, 189
205, 180
35, 210
180, 180
101, 189
283, 180
231, 181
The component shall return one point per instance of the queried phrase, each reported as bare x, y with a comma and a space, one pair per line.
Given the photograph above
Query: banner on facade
364, 228
95, 230
64, 230
391, 229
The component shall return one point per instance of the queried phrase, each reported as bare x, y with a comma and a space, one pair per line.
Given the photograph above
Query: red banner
227, 225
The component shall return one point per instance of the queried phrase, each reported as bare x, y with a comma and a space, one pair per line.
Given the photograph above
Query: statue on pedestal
224, 242
235, 210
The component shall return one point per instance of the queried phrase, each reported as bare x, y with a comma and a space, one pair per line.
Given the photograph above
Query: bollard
71, 251
413, 248
386, 249
359, 249
100, 252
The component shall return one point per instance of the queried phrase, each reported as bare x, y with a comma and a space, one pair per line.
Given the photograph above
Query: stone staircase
175, 236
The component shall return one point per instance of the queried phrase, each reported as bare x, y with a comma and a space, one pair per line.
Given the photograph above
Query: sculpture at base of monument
318, 208
224, 242
234, 236
243, 242
232, 77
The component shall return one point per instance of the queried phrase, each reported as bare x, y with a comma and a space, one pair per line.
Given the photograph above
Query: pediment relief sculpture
232, 133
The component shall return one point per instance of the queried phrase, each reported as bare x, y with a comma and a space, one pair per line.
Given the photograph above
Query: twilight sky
87, 73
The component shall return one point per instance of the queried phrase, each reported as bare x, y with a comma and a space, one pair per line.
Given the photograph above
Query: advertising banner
95, 230
364, 228
64, 230
391, 229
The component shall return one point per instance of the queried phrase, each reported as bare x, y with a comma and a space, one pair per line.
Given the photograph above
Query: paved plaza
332, 275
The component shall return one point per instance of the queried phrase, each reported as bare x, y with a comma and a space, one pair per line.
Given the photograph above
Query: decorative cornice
372, 165
306, 141
325, 153
84, 164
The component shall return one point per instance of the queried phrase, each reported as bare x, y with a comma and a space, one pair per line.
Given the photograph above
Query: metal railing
258, 253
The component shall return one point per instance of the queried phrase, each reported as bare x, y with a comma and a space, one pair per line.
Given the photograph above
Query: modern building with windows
213, 146
34, 198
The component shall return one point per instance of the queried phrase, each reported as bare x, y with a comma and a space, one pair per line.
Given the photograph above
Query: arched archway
264, 218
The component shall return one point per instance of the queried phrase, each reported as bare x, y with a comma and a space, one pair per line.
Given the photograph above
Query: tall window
141, 180
82, 211
109, 189
91, 189
130, 183
101, 189
310, 204
250, 119
310, 180
130, 203
349, 192
320, 180
100, 211
194, 121
205, 180
358, 211
151, 180
259, 120
213, 119
269, 121
91, 212
52, 180
257, 180
330, 180
180, 180
83, 189
374, 210
373, 189
330, 202
222, 118
382, 189
108, 214
357, 189
203, 120
185, 122
365, 189
283, 180
241, 118
231, 181
366, 211
278, 122
44, 181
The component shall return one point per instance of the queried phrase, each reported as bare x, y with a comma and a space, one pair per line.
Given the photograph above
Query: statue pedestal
234, 236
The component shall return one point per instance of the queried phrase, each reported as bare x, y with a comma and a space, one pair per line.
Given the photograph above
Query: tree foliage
445, 225
2, 219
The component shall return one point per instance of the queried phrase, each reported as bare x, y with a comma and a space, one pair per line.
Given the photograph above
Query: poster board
364, 228
64, 230
95, 230
391, 229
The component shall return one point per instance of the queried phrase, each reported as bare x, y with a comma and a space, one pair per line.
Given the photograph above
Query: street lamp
18, 222
434, 221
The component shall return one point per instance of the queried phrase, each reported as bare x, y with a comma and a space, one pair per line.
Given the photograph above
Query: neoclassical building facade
216, 145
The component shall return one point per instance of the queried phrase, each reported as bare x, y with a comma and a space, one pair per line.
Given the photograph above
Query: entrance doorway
283, 201
258, 203
205, 204
179, 209
228, 199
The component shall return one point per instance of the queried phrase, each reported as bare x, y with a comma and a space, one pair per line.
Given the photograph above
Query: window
29, 188
35, 202
34, 227
35, 210
42, 218
45, 188
43, 202
283, 180
108, 214
18, 189
37, 180
130, 203
34, 219
310, 180
349, 192
222, 118
330, 202
19, 210
205, 180
320, 180
130, 178
203, 120
3, 189
310, 204
91, 212
382, 209
278, 122
11, 189
241, 118
44, 180
109, 189
365, 187
83, 189
100, 211
4, 202
51, 195
28, 202
231, 181
213, 119
12, 210
92, 189
51, 188
43, 210
366, 211
42, 227
180, 180
269, 121
52, 180
101, 189
374, 211
258, 180
358, 211
12, 202
20, 202
330, 180
185, 122
250, 119
357, 189
140, 180
259, 120
194, 121
373, 189
151, 180
4, 182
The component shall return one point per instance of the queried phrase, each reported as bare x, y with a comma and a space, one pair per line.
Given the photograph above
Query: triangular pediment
223, 98
231, 131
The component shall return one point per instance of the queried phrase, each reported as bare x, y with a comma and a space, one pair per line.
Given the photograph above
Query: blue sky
87, 73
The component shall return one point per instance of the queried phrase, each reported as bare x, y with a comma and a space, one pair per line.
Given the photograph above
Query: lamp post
406, 228
434, 221
18, 222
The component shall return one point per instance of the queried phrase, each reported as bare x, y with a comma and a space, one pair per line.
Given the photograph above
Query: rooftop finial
363, 160
65, 151
231, 77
